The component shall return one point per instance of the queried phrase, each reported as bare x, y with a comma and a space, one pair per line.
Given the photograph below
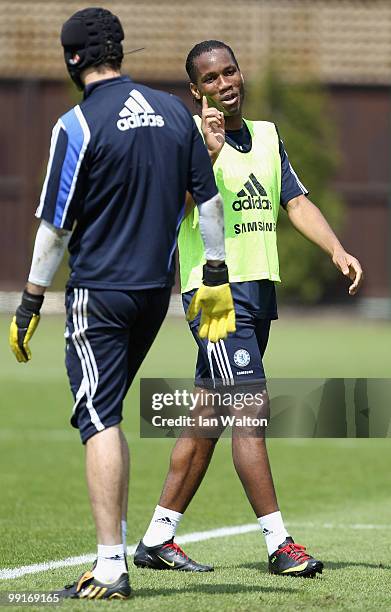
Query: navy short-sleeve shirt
119, 168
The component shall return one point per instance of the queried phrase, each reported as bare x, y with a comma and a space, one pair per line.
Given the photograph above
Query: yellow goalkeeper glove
214, 299
24, 324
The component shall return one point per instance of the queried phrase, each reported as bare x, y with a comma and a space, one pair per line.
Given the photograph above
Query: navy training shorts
108, 334
237, 360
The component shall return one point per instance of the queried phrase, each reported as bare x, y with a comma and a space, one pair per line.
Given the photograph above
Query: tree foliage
303, 115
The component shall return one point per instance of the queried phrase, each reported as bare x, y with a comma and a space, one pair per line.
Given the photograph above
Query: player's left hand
217, 312
350, 267
214, 300
24, 324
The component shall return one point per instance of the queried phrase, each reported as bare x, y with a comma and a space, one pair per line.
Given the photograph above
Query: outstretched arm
310, 222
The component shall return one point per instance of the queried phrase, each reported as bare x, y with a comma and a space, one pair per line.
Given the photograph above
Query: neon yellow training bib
250, 185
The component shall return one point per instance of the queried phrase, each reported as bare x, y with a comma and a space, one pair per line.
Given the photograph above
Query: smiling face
219, 79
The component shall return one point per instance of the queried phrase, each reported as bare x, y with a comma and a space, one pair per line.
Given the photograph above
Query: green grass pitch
334, 494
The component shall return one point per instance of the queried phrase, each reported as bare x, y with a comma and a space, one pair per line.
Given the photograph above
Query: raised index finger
205, 104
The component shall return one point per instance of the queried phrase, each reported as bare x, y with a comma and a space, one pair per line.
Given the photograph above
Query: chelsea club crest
242, 358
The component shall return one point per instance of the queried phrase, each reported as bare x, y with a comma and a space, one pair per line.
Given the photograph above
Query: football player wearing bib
255, 179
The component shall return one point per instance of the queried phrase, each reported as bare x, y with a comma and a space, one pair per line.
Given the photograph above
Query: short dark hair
114, 63
205, 47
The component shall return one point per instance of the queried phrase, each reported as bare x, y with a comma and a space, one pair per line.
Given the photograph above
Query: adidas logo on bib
253, 195
137, 112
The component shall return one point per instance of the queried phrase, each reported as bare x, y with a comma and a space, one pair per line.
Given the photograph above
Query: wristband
212, 277
32, 303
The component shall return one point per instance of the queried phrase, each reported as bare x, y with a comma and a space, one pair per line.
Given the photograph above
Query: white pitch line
196, 536
338, 526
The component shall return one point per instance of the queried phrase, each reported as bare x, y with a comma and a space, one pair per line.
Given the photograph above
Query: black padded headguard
95, 34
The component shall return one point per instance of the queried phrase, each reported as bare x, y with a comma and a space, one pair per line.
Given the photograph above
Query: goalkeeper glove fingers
214, 299
24, 324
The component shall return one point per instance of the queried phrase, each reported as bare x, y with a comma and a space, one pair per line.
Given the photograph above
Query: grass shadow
335, 565
212, 589
261, 566
329, 565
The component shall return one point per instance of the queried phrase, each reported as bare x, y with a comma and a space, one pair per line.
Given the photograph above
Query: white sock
162, 526
124, 530
110, 564
273, 529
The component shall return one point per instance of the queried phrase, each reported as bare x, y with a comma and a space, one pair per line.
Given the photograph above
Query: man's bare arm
310, 222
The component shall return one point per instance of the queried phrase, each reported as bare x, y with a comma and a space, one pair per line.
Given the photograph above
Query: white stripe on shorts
227, 363
85, 354
220, 362
209, 350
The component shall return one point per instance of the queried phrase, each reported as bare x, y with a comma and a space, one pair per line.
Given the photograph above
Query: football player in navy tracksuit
120, 165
